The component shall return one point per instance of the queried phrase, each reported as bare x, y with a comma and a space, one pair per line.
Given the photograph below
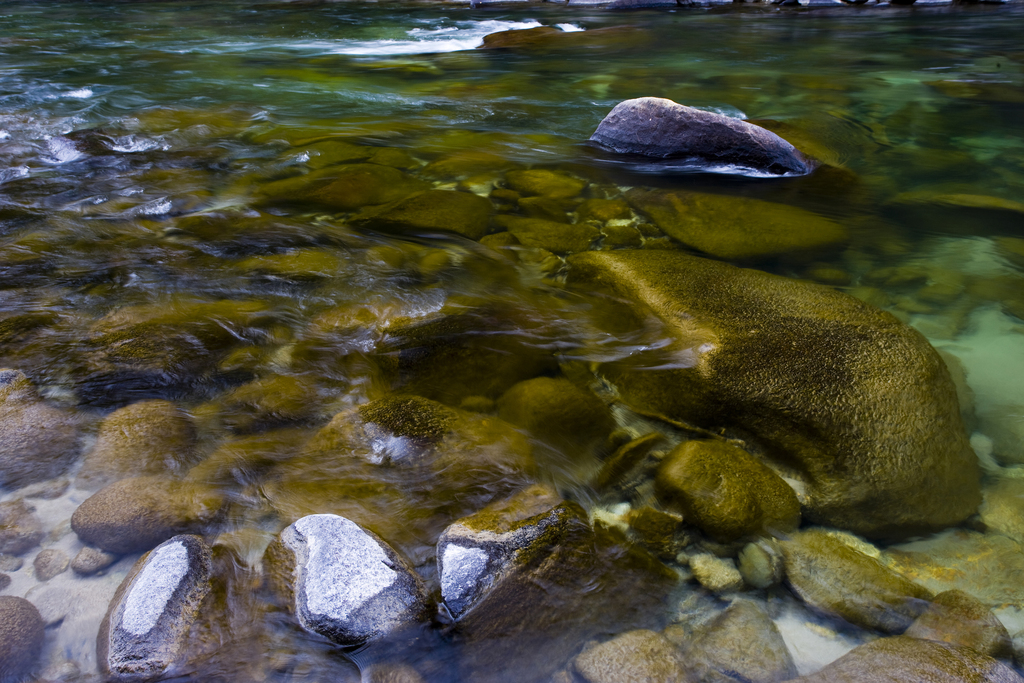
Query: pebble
49, 563
10, 563
88, 561
717, 574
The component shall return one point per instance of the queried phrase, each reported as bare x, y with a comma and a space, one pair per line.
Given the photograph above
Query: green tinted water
138, 144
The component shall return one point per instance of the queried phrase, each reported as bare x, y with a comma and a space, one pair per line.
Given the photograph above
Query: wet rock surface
740, 644
137, 513
726, 492
741, 335
21, 638
634, 657
660, 128
558, 412
909, 659
37, 440
88, 561
145, 438
837, 579
343, 582
148, 622
435, 210
957, 618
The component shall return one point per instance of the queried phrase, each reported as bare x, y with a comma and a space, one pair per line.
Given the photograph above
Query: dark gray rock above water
147, 623
342, 581
478, 552
662, 129
21, 637
902, 659
37, 440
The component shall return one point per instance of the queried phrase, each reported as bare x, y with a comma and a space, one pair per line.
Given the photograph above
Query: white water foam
81, 93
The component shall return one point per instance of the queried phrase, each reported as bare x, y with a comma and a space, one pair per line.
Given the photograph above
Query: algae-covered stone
344, 187
741, 644
538, 181
137, 513
268, 402
478, 552
901, 659
835, 578
657, 530
635, 657
625, 459
558, 412
343, 582
560, 238
435, 210
296, 266
725, 491
148, 437
760, 563
660, 128
957, 618
603, 210
21, 637
37, 441
20, 529
885, 456
717, 574
144, 633
247, 459
735, 227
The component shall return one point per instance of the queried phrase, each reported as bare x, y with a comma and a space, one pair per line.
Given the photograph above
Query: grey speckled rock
344, 582
49, 563
135, 514
88, 561
149, 618
20, 531
741, 644
21, 637
37, 441
635, 657
902, 659
660, 128
476, 553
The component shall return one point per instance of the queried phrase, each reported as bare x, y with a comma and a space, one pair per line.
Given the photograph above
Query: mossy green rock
858, 405
726, 492
538, 181
344, 187
435, 210
299, 265
640, 656
902, 659
148, 437
833, 577
603, 210
735, 227
268, 402
560, 238
557, 412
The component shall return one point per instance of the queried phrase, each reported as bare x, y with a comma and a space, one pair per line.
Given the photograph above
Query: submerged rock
741, 644
477, 553
838, 580
956, 618
148, 437
344, 187
886, 455
634, 657
735, 227
147, 624
49, 563
89, 561
21, 637
435, 210
342, 581
20, 529
662, 129
560, 238
901, 659
558, 412
137, 513
726, 492
37, 441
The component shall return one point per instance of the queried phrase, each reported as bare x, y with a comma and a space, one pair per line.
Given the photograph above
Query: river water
145, 150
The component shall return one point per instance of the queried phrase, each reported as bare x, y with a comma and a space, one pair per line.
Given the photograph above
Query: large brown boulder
659, 128
851, 402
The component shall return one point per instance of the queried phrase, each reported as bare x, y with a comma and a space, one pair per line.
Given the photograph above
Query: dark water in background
120, 122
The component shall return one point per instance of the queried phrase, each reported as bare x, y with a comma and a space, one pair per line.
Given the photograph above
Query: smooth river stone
347, 584
147, 623
21, 637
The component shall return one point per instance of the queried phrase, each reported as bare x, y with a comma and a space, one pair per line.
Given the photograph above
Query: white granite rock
348, 585
150, 616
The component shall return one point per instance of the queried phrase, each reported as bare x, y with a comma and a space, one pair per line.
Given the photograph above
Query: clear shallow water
135, 138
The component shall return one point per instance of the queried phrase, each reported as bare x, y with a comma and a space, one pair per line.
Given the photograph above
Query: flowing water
151, 246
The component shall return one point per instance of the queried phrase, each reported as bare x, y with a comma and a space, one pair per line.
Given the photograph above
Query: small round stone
49, 563
717, 574
88, 561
